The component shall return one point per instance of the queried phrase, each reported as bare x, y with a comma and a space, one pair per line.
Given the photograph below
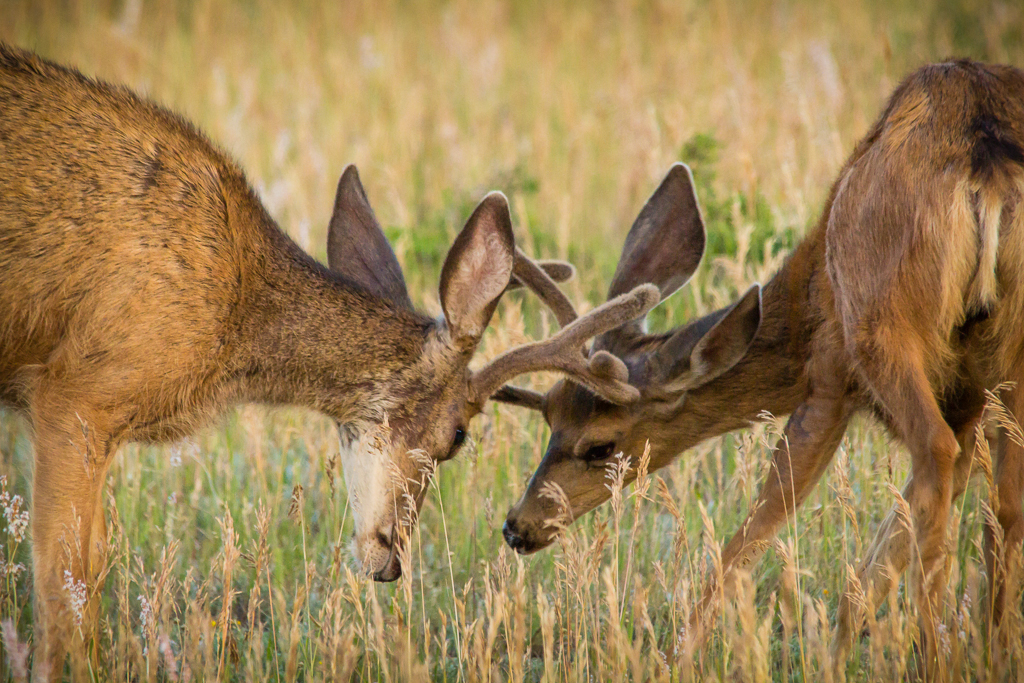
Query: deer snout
380, 554
523, 536
510, 530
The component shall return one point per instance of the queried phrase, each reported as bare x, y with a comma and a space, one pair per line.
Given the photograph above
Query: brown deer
906, 300
144, 288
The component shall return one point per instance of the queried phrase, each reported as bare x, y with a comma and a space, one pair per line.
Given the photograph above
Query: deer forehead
571, 406
441, 363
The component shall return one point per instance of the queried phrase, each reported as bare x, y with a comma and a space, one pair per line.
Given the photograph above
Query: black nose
512, 537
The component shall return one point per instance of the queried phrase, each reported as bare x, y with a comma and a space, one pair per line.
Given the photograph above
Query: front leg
811, 437
72, 453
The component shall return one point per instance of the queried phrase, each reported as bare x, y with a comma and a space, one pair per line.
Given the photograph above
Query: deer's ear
357, 247
706, 348
666, 243
477, 270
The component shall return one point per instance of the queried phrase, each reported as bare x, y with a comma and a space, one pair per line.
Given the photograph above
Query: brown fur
906, 300
144, 288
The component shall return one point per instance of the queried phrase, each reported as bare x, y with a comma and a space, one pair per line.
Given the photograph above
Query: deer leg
897, 377
811, 437
72, 454
1003, 555
887, 558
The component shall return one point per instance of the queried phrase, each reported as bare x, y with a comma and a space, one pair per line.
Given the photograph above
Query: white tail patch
984, 289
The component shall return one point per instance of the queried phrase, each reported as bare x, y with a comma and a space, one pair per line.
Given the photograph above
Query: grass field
230, 551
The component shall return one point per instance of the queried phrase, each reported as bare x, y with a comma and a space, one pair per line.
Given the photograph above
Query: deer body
144, 288
906, 299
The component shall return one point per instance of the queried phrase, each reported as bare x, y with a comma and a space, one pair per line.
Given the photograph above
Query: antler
559, 271
519, 396
602, 373
539, 277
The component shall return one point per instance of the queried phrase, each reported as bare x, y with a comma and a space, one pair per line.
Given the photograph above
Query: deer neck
319, 341
772, 376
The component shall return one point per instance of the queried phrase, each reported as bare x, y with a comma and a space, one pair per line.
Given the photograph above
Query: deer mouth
392, 569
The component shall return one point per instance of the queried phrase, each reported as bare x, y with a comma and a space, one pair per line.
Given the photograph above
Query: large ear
706, 348
477, 270
666, 243
357, 247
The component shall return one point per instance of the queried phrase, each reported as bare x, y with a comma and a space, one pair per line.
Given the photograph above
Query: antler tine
520, 396
603, 373
529, 273
540, 277
559, 271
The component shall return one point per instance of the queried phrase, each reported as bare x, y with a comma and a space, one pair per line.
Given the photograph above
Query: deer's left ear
477, 270
706, 348
357, 247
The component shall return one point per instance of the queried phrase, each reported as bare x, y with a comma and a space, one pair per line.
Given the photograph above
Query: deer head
666, 371
426, 405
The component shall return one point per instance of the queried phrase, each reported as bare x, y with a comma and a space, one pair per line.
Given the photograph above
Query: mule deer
906, 300
144, 288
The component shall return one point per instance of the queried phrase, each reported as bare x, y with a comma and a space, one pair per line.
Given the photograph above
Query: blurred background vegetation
575, 111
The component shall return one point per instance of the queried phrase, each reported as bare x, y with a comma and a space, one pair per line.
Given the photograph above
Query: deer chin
535, 546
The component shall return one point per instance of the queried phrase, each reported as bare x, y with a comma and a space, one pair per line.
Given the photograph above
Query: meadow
229, 551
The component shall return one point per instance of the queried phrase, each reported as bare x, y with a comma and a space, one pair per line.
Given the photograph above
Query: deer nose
392, 569
511, 533
386, 536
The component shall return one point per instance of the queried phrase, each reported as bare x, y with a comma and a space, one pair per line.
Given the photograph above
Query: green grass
575, 112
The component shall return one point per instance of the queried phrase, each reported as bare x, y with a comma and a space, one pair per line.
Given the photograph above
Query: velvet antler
602, 372
539, 277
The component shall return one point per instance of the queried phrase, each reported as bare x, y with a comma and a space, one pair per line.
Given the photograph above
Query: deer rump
924, 244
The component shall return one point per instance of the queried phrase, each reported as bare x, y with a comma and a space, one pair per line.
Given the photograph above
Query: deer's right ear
706, 348
666, 243
477, 270
357, 247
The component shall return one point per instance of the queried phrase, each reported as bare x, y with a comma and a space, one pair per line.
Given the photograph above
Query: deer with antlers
144, 288
906, 300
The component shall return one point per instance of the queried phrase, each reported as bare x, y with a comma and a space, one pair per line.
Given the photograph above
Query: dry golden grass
575, 110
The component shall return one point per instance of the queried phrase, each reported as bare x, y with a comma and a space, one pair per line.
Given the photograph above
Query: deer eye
601, 451
457, 441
